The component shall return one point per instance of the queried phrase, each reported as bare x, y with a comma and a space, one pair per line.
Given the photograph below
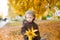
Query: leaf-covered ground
49, 30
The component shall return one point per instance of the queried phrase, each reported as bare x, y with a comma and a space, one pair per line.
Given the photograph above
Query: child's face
29, 17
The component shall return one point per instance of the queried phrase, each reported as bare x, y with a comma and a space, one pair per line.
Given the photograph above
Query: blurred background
12, 14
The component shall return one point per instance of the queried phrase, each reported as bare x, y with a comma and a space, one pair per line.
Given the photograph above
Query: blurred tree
39, 6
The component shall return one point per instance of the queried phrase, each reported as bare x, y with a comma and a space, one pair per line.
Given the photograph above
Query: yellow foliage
39, 6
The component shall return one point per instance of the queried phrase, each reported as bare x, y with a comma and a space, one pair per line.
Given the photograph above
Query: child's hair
31, 12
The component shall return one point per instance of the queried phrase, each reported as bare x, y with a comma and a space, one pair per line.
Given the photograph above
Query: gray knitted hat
31, 12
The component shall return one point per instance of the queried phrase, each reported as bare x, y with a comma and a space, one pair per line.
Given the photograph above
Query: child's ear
34, 19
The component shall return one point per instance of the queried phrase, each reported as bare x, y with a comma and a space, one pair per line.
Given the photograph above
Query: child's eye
29, 17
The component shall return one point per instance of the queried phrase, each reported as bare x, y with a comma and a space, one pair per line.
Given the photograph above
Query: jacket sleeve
23, 29
38, 33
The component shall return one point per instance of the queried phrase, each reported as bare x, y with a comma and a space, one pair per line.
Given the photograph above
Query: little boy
29, 23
